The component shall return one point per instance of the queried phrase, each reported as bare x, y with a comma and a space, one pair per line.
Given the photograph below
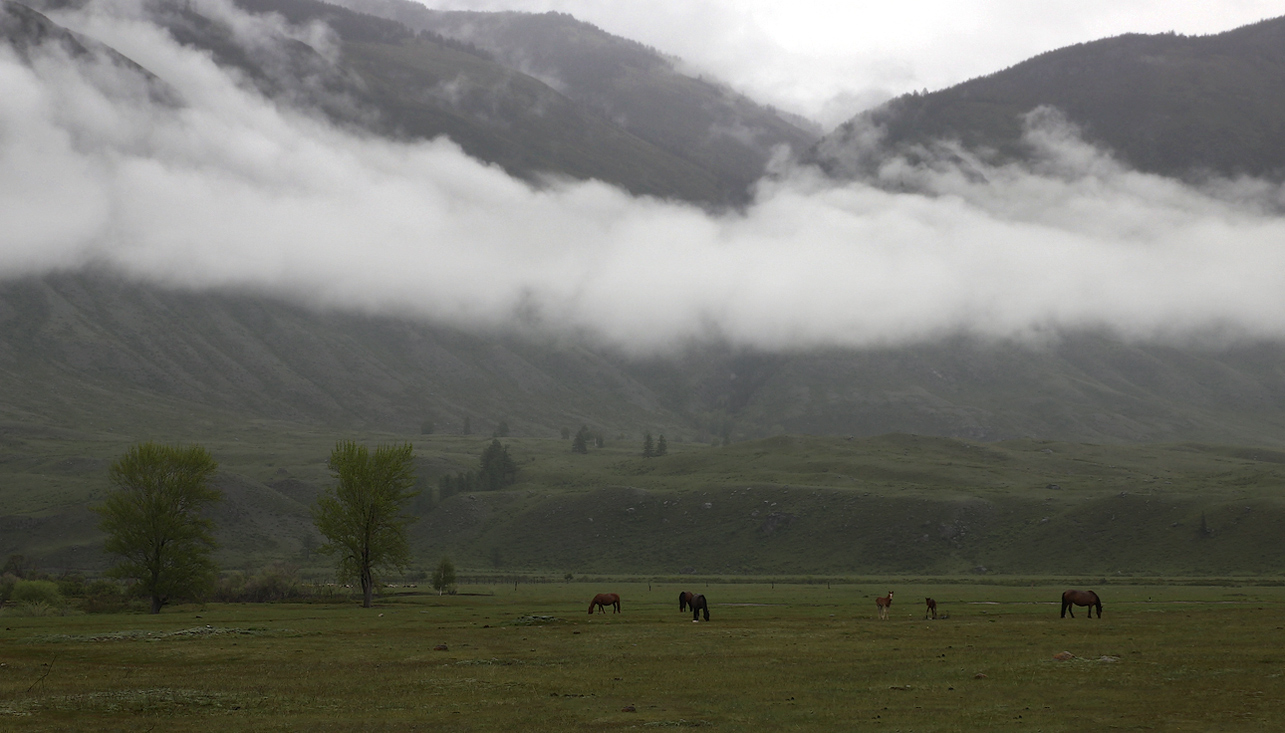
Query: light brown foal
883, 604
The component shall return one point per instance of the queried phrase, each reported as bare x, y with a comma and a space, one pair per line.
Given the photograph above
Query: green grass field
790, 505
773, 658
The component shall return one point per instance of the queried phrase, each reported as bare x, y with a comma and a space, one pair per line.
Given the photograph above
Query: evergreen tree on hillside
497, 469
649, 448
661, 446
581, 442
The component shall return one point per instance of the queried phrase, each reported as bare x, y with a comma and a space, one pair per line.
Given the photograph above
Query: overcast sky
231, 190
827, 59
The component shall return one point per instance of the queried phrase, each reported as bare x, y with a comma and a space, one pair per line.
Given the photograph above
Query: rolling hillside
895, 504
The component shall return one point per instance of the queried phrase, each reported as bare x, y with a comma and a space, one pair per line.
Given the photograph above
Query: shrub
105, 596
271, 584
36, 591
7, 582
31, 608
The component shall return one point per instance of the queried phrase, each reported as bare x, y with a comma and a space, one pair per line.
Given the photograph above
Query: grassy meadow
774, 657
789, 505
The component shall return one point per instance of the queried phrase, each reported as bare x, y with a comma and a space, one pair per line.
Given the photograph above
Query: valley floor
773, 657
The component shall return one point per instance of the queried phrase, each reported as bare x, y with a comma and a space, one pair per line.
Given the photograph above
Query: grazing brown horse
932, 608
1081, 598
883, 604
684, 599
698, 604
602, 600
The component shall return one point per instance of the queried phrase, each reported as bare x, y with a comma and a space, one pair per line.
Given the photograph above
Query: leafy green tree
566, 433
444, 576
363, 517
498, 469
649, 448
661, 446
153, 520
581, 442
501, 430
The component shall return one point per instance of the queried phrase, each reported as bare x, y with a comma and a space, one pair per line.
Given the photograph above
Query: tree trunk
157, 602
367, 588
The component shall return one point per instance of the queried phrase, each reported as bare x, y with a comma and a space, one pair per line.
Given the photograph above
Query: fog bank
228, 190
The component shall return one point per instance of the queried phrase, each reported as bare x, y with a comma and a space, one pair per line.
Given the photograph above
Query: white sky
828, 59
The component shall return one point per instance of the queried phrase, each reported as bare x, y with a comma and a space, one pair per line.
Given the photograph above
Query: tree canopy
154, 523
363, 516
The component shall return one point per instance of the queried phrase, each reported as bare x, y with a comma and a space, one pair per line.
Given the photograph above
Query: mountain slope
642, 91
78, 348
1180, 106
94, 348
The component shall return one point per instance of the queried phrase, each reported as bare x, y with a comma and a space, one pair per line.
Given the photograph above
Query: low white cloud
229, 190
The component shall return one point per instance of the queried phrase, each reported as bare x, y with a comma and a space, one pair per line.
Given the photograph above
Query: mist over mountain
289, 167
375, 217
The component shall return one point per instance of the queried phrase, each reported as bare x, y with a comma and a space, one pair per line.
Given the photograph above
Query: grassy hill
1182, 106
786, 506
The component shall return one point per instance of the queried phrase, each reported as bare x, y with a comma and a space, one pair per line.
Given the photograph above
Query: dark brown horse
1081, 598
684, 599
932, 607
602, 600
883, 604
698, 604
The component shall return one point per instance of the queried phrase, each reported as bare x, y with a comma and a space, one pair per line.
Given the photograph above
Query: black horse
685, 598
1081, 598
698, 604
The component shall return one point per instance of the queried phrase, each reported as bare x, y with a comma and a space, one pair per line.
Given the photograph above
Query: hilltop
1180, 106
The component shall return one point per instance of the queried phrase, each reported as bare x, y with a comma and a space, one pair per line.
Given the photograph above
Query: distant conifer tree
581, 442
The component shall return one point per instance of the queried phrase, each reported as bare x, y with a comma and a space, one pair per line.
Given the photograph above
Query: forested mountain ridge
1180, 106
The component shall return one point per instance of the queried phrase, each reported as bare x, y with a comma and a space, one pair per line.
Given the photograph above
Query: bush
7, 582
271, 584
71, 585
105, 596
36, 591
31, 608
